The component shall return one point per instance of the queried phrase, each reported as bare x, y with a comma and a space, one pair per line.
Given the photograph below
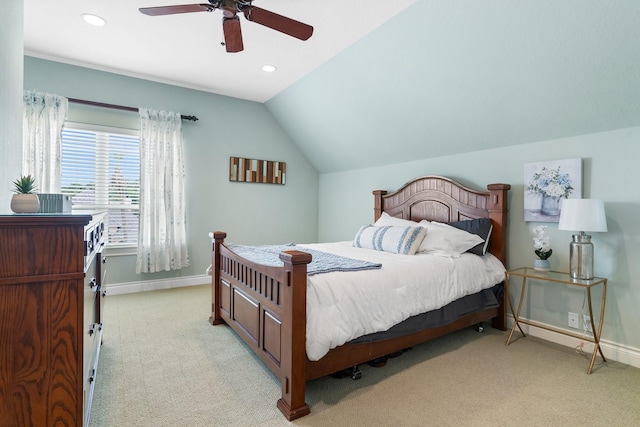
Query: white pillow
386, 220
444, 239
397, 240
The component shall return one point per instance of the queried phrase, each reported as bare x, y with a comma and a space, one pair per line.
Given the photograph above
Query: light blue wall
249, 213
610, 173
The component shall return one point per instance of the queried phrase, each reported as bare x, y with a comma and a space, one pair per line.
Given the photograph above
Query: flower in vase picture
547, 184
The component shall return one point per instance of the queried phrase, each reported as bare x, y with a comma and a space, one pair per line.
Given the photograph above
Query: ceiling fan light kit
95, 20
231, 22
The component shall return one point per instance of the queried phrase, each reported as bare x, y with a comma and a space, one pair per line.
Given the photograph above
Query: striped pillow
397, 240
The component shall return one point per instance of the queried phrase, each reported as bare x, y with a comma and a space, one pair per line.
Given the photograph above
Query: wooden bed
266, 306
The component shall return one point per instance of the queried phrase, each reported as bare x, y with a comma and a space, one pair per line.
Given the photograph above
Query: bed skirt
487, 298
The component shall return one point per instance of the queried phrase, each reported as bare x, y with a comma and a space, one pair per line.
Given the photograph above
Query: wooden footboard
266, 306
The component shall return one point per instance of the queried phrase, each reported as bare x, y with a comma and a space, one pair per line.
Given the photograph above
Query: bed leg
356, 374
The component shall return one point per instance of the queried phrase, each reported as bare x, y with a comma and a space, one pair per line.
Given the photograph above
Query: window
101, 171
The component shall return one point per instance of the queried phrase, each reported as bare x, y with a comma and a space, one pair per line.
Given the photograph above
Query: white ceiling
185, 49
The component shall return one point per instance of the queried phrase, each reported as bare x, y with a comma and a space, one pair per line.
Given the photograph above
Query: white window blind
101, 171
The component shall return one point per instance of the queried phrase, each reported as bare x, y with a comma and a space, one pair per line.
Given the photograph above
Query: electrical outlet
586, 324
574, 320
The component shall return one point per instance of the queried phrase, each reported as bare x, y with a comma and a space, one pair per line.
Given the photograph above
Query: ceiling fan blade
232, 34
172, 10
277, 22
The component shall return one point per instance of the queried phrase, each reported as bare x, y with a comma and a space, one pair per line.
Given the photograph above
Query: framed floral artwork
547, 184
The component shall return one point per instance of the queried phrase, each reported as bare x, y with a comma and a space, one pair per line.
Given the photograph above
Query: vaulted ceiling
449, 77
382, 82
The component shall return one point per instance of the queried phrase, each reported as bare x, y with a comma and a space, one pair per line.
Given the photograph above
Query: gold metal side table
559, 278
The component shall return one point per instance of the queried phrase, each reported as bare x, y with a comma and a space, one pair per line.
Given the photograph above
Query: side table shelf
558, 278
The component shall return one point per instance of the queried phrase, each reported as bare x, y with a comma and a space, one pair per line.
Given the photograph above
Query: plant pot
541, 265
25, 203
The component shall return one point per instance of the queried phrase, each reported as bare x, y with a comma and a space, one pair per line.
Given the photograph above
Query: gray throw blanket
321, 262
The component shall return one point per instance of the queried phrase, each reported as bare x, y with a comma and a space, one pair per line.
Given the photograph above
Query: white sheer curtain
42, 120
162, 239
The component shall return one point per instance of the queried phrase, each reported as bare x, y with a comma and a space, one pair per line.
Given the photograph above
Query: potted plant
25, 200
542, 248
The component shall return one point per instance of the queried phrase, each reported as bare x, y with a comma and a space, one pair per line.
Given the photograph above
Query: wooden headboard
436, 198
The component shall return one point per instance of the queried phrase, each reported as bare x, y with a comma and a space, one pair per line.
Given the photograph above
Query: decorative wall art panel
547, 184
261, 171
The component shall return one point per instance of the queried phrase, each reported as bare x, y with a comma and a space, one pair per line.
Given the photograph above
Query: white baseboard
154, 285
612, 351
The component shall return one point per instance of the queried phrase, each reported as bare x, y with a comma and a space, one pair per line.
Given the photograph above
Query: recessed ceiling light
92, 19
268, 68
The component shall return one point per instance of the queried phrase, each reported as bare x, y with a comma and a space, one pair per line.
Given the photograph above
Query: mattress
344, 306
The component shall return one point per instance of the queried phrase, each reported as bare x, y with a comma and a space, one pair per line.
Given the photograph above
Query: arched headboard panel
436, 198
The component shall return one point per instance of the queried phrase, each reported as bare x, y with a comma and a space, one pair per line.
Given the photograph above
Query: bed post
218, 239
293, 359
377, 203
498, 243
498, 214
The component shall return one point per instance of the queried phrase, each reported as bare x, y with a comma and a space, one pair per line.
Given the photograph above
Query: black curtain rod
121, 107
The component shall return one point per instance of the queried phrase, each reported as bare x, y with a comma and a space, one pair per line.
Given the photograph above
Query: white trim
612, 351
154, 285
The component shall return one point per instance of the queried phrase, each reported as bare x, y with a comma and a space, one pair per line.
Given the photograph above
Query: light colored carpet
163, 364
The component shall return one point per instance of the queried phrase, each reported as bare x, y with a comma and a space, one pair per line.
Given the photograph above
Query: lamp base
581, 257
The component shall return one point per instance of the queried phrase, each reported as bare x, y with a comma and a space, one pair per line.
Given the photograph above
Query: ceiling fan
231, 21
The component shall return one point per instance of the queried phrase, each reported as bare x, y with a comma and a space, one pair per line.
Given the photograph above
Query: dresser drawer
94, 240
101, 273
95, 289
91, 298
93, 342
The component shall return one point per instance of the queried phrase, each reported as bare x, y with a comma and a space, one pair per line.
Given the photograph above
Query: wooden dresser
52, 288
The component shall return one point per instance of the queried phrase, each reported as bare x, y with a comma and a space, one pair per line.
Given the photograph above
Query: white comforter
342, 306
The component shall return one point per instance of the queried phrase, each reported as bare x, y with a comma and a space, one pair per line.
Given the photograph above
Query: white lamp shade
582, 215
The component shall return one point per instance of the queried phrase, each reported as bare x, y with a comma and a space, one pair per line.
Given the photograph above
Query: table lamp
582, 215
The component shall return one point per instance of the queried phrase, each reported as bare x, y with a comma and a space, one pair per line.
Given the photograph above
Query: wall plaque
252, 170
